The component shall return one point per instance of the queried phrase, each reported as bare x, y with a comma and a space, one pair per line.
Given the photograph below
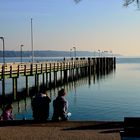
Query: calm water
110, 97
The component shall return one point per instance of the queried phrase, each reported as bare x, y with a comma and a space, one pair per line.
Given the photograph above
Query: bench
131, 129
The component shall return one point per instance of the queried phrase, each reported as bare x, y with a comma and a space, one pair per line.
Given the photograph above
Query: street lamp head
21, 45
1, 37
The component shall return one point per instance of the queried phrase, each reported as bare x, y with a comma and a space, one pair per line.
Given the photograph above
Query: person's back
60, 106
40, 106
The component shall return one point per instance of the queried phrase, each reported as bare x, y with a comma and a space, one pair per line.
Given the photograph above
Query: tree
126, 2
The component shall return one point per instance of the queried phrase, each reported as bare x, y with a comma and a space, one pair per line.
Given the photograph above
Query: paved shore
71, 130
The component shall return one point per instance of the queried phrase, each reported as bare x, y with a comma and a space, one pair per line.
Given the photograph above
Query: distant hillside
50, 53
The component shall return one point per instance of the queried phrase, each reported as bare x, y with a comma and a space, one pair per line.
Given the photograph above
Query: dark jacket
40, 107
60, 105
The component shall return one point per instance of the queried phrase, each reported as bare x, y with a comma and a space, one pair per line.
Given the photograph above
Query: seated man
40, 105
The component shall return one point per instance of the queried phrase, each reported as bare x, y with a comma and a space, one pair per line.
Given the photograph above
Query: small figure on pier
7, 113
40, 105
60, 105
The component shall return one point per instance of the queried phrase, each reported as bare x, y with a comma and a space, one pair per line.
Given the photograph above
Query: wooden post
18, 71
27, 86
98, 66
37, 82
3, 87
43, 79
65, 76
31, 69
24, 69
14, 88
50, 76
114, 62
55, 78
11, 71
41, 68
61, 75
89, 66
47, 80
3, 82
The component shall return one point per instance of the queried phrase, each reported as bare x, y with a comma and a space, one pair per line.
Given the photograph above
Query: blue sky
61, 25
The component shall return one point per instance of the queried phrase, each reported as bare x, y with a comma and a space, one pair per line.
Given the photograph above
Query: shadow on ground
106, 127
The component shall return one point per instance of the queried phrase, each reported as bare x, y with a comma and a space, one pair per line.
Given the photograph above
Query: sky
90, 25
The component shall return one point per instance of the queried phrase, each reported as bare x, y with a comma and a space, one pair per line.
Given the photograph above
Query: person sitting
60, 106
40, 105
7, 113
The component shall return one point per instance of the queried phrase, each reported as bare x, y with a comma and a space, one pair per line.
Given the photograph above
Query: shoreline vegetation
51, 53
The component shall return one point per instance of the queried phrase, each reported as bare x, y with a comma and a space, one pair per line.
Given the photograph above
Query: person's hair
62, 92
9, 106
42, 90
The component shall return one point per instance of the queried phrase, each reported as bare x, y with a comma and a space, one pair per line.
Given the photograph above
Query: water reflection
22, 107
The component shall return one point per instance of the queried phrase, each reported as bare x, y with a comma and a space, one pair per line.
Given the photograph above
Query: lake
109, 97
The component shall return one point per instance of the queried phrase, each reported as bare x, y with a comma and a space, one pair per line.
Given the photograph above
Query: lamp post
21, 51
32, 45
70, 52
2, 38
111, 53
3, 69
74, 51
99, 52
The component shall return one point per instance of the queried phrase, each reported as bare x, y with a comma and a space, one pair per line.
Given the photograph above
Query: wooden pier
58, 72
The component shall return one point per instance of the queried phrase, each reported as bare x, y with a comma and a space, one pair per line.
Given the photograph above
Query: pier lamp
2, 38
74, 51
21, 51
32, 42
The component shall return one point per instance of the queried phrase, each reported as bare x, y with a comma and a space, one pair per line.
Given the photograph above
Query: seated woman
7, 113
60, 106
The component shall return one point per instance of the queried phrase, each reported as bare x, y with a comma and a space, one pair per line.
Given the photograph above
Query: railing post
18, 71
10, 70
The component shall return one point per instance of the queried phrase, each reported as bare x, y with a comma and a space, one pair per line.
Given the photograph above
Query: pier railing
10, 70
